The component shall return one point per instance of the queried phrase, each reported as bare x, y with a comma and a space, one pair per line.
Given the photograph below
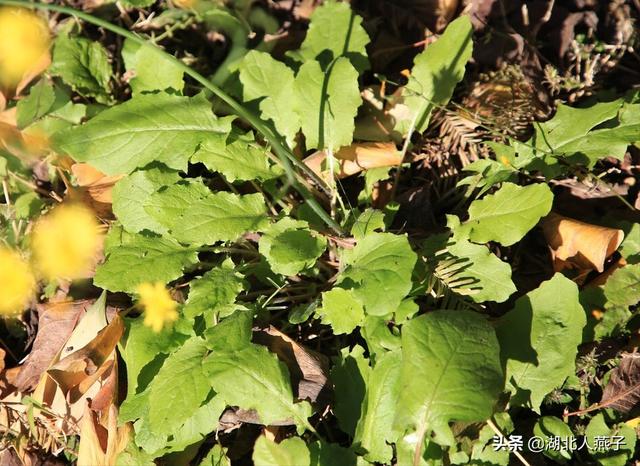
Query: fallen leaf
101, 443
622, 393
355, 158
55, 324
577, 244
96, 184
84, 366
308, 368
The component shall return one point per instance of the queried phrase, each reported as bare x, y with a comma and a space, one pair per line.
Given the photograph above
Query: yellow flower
17, 283
158, 306
65, 242
24, 41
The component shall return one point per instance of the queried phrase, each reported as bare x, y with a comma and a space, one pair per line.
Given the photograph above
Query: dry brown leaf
84, 366
308, 368
577, 244
357, 157
55, 324
622, 393
97, 184
101, 443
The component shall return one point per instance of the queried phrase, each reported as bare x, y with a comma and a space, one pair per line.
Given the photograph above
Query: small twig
502, 436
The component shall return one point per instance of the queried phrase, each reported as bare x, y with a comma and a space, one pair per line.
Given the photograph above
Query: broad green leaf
367, 222
131, 193
573, 133
335, 31
610, 456
548, 427
330, 454
254, 378
340, 310
450, 371
195, 215
28, 205
434, 75
349, 376
378, 270
151, 71
179, 389
508, 214
216, 457
37, 104
539, 340
290, 246
485, 276
484, 450
623, 286
630, 246
83, 65
257, 73
379, 337
289, 452
141, 346
132, 259
196, 428
150, 127
214, 292
327, 103
238, 161
231, 334
374, 433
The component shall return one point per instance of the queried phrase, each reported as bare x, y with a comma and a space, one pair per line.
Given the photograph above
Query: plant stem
287, 158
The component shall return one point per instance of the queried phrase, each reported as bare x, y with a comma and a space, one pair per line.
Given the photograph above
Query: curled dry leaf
308, 368
94, 188
55, 323
101, 441
355, 158
577, 244
622, 393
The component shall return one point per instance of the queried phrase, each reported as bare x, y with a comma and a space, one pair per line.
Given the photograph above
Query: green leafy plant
381, 346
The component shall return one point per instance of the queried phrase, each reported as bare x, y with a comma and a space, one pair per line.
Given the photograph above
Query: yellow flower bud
17, 283
159, 307
24, 41
65, 242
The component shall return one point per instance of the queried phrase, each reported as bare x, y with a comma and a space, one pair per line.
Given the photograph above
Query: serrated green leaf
335, 31
373, 433
214, 292
232, 333
83, 65
349, 376
327, 103
179, 389
508, 214
130, 194
238, 161
539, 340
37, 104
435, 73
623, 286
290, 452
132, 259
200, 424
290, 247
630, 246
254, 378
450, 371
150, 69
483, 276
155, 127
195, 215
216, 457
257, 72
341, 310
378, 270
